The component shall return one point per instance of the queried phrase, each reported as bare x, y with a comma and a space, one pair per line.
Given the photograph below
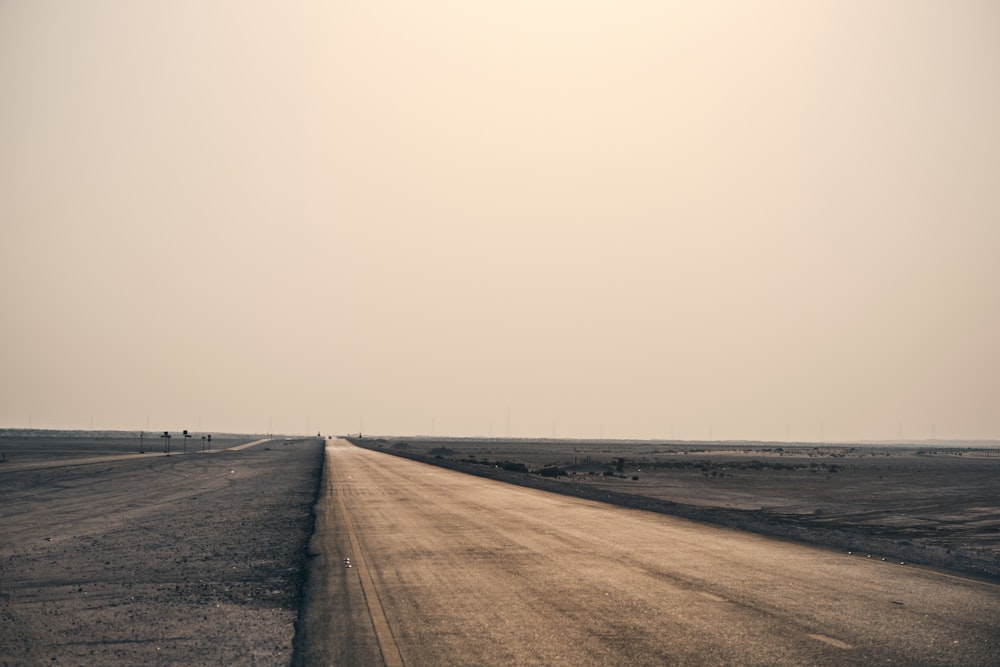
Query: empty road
446, 568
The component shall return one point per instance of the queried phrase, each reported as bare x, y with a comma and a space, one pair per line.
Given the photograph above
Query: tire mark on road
831, 641
383, 633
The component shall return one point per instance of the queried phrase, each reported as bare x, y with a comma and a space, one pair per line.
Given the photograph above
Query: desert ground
112, 557
193, 559
937, 506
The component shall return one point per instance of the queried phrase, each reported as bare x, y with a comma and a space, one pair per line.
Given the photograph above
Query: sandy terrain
199, 559
936, 507
190, 559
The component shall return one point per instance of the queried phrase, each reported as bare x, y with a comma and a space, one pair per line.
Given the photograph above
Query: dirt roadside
194, 560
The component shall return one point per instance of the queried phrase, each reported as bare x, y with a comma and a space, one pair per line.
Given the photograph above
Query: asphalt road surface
450, 569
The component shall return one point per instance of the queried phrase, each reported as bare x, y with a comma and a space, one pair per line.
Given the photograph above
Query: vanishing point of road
418, 565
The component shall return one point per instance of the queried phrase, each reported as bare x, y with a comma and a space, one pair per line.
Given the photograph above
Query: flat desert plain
934, 506
109, 557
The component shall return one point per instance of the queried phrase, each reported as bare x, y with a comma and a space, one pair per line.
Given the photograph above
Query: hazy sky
626, 218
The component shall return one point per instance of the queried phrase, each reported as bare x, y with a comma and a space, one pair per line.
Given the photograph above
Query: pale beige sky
632, 219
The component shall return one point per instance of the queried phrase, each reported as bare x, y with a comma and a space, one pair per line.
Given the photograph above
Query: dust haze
633, 220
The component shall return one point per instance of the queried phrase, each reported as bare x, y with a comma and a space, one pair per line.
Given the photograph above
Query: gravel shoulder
193, 559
